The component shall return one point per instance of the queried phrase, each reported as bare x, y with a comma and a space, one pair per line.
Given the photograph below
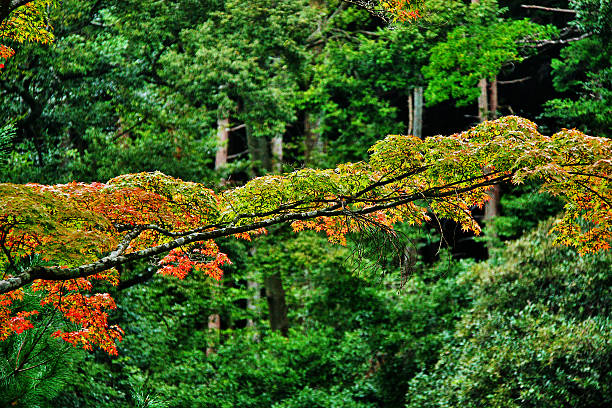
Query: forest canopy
170, 173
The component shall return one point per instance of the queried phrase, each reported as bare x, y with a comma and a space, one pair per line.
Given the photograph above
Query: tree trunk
312, 141
253, 286
492, 206
214, 327
493, 103
484, 100
222, 141
277, 307
483, 105
276, 146
410, 114
418, 112
260, 155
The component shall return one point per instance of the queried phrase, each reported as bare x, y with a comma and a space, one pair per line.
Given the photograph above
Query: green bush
538, 335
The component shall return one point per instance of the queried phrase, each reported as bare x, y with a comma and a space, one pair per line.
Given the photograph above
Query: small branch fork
333, 209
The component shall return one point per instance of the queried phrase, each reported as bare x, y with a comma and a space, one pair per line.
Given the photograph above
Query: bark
275, 294
214, 326
312, 142
276, 146
222, 141
418, 112
492, 206
410, 114
558, 10
483, 105
120, 257
214, 320
493, 101
277, 307
259, 151
252, 285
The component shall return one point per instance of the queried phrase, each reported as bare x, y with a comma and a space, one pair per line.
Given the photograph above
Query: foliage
28, 22
35, 366
7, 133
351, 97
537, 335
478, 49
403, 10
143, 215
64, 225
355, 342
253, 73
394, 10
111, 119
361, 82
522, 208
584, 72
133, 86
593, 16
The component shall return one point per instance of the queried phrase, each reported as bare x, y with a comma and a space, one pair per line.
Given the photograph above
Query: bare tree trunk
492, 206
275, 294
312, 141
418, 112
483, 106
277, 307
493, 102
488, 100
214, 327
253, 286
410, 114
276, 146
222, 141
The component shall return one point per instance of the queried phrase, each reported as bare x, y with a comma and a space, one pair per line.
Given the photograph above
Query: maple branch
371, 7
602, 198
590, 175
118, 257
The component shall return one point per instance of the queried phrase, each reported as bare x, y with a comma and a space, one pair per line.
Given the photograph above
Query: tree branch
559, 10
514, 81
542, 43
118, 256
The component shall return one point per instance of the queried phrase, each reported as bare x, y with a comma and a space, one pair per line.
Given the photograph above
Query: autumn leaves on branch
65, 237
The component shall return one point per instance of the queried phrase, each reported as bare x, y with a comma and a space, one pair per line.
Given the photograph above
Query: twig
559, 10
513, 81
